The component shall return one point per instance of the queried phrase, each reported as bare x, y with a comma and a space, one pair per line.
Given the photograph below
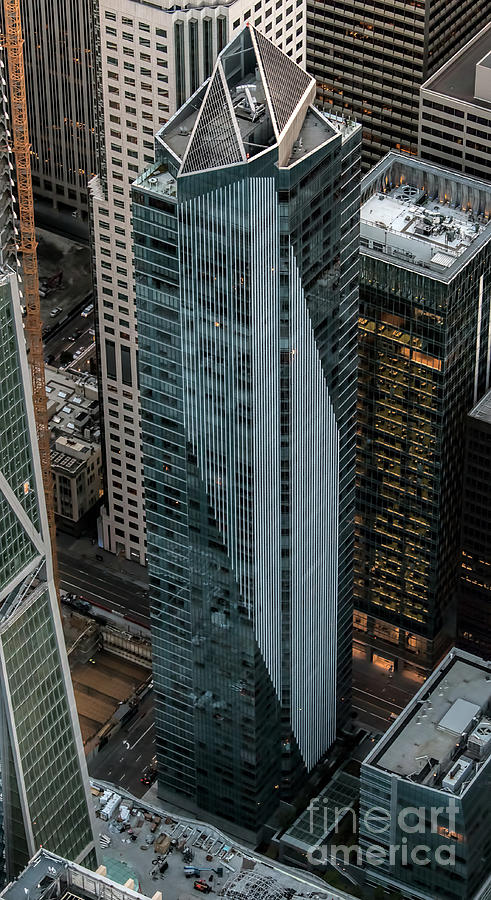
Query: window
126, 366
111, 359
160, 32
179, 62
221, 32
144, 42
193, 55
207, 47
143, 26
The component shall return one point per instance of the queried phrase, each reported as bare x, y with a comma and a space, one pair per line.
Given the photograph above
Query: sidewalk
83, 550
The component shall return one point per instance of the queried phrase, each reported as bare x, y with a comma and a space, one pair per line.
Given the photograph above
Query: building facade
424, 789
44, 793
424, 359
455, 110
474, 592
149, 60
246, 249
371, 61
58, 56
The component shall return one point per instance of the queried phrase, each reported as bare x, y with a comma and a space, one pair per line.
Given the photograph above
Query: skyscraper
371, 60
474, 588
149, 59
424, 359
59, 82
246, 253
43, 776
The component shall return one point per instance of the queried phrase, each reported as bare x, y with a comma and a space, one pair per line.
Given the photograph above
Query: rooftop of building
72, 405
442, 738
313, 825
482, 409
423, 216
256, 99
69, 455
51, 876
239, 873
457, 78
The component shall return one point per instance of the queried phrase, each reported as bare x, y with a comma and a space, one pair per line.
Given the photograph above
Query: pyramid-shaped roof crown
256, 98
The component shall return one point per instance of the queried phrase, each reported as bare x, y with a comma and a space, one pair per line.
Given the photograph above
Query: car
87, 311
202, 886
55, 312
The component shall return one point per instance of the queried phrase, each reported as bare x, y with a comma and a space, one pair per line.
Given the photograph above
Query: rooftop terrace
443, 736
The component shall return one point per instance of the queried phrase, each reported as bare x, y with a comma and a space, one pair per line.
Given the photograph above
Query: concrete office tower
370, 61
455, 110
59, 86
246, 246
44, 795
424, 359
424, 789
474, 590
150, 59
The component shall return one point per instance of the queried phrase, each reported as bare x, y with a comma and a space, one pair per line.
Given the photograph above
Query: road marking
368, 694
141, 736
138, 757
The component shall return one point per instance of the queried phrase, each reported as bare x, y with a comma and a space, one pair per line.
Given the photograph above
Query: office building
455, 110
371, 60
474, 591
424, 360
59, 88
149, 60
76, 458
425, 787
44, 795
247, 358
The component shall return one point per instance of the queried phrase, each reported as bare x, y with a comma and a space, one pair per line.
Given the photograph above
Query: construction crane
27, 247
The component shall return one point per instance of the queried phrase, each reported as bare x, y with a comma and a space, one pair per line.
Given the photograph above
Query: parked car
87, 311
202, 886
55, 312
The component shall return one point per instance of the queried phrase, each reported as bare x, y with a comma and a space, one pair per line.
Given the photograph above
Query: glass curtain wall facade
474, 592
44, 792
246, 261
424, 355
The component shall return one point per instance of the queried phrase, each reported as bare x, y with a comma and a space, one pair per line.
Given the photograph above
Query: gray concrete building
425, 787
370, 60
455, 110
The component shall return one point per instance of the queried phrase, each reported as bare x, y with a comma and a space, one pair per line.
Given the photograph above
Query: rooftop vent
479, 743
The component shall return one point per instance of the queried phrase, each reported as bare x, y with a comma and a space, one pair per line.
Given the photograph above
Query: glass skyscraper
44, 793
246, 255
424, 360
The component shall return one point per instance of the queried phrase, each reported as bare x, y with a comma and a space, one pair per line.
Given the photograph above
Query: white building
149, 60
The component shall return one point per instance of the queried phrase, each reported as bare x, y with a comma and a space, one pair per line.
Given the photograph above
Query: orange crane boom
27, 247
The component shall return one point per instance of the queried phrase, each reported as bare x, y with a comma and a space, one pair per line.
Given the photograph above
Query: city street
127, 754
377, 694
103, 588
